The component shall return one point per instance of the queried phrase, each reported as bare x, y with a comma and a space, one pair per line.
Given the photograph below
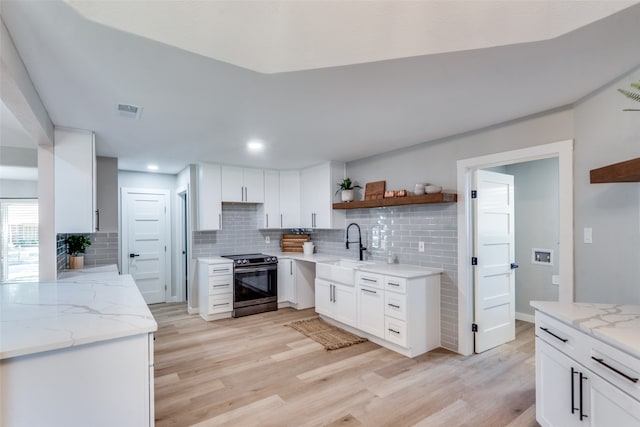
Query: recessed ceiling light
152, 167
255, 145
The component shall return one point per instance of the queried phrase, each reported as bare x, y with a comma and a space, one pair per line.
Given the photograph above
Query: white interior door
494, 277
145, 240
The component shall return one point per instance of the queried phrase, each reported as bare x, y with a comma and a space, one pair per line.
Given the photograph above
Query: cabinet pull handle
606, 365
394, 331
291, 267
553, 335
393, 284
267, 215
246, 194
368, 291
573, 392
221, 269
333, 293
366, 279
218, 305
394, 306
97, 219
242, 194
221, 286
220, 221
280, 220
582, 415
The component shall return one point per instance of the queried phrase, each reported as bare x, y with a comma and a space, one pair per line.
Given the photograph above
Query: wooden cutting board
293, 242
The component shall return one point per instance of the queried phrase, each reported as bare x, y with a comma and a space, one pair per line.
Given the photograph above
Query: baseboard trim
526, 317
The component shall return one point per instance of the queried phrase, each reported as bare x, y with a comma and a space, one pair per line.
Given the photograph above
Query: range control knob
245, 261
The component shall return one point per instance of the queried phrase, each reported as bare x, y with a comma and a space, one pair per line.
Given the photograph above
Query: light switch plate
555, 279
588, 235
267, 239
420, 246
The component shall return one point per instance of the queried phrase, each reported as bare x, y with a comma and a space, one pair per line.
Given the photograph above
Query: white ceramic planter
347, 195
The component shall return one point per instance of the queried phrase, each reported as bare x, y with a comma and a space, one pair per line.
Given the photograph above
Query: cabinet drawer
369, 279
395, 284
395, 331
395, 305
220, 285
220, 269
560, 335
220, 303
619, 368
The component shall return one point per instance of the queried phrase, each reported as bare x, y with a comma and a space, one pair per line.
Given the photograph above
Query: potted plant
346, 189
76, 245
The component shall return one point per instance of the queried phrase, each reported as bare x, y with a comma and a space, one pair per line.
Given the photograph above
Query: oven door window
254, 284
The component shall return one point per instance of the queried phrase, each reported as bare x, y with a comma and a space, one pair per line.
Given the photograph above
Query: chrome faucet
360, 247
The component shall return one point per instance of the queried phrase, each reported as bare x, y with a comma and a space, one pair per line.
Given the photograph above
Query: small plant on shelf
76, 245
346, 188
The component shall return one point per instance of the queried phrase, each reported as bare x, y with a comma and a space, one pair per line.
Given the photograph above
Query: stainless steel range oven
255, 284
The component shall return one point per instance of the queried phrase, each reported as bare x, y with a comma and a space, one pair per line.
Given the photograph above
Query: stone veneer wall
400, 229
103, 250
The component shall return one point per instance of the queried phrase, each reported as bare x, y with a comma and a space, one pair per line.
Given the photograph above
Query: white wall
608, 270
435, 162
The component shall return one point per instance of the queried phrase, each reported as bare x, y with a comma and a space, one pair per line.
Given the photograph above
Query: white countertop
616, 324
85, 306
398, 270
214, 260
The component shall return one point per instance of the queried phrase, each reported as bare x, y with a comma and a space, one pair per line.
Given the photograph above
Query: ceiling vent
130, 111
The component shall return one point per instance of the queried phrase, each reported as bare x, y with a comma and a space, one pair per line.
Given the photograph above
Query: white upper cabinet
75, 181
318, 185
209, 198
242, 184
290, 199
269, 213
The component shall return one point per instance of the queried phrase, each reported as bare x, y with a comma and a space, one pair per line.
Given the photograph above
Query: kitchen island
587, 364
76, 351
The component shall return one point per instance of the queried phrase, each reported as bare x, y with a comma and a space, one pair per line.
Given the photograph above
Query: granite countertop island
81, 307
616, 324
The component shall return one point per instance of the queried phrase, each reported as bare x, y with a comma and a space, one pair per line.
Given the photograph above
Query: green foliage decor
632, 94
77, 244
346, 184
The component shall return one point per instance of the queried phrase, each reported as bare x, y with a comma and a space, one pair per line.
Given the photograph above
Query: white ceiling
201, 109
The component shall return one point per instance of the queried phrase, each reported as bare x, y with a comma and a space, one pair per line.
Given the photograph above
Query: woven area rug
329, 336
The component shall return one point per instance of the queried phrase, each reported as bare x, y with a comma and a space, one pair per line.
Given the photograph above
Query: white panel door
145, 240
494, 249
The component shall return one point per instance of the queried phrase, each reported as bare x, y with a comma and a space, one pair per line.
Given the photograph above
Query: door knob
132, 255
514, 266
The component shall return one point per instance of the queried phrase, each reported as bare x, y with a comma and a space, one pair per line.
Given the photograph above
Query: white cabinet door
232, 184
324, 297
371, 310
610, 406
209, 198
270, 212
318, 185
344, 304
253, 185
286, 281
242, 185
289, 199
558, 388
75, 181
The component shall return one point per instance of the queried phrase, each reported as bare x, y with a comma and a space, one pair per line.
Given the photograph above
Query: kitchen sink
340, 271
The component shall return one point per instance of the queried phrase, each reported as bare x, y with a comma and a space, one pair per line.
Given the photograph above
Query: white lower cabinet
580, 381
336, 301
296, 283
371, 310
286, 281
102, 384
215, 288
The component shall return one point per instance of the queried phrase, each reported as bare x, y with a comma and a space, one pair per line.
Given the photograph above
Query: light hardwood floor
254, 371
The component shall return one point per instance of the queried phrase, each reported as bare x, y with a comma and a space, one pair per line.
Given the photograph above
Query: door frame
124, 229
563, 150
183, 234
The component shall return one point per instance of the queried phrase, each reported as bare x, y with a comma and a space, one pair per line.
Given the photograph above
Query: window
19, 234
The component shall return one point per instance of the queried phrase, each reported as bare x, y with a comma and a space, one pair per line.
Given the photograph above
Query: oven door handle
255, 269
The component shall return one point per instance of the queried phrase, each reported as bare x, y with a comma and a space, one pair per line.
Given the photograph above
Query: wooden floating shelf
628, 171
399, 201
